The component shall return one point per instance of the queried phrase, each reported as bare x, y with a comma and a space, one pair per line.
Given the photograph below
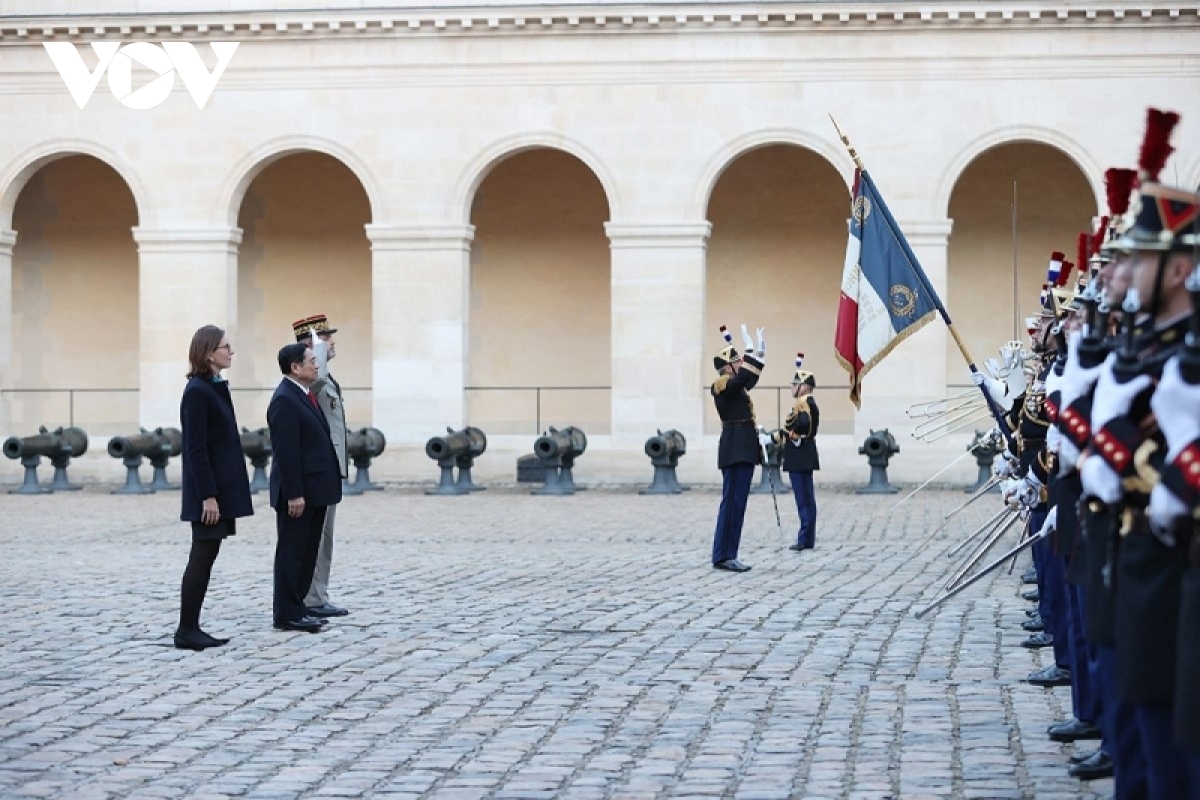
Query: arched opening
75, 357
540, 298
304, 251
775, 256
1012, 207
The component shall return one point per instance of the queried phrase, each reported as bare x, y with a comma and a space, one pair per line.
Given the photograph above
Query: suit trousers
735, 492
296, 550
318, 593
806, 506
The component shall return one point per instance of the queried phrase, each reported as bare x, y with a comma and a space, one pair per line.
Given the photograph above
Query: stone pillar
916, 369
657, 327
187, 278
8, 239
420, 285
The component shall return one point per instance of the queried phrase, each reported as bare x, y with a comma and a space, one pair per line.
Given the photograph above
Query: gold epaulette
720, 383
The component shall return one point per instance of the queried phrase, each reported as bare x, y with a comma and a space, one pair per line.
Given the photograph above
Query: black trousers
296, 549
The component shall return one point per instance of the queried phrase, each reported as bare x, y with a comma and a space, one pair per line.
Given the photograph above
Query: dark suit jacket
739, 433
213, 463
305, 463
800, 448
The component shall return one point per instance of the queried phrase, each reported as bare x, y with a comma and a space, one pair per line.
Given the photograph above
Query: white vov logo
164, 60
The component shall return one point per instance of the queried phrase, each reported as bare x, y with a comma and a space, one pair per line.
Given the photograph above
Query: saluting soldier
739, 450
1128, 456
800, 456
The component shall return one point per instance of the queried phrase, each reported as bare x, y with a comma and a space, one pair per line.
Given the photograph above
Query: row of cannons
159, 447
551, 464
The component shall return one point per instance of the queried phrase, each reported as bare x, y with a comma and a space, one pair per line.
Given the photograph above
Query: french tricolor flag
886, 296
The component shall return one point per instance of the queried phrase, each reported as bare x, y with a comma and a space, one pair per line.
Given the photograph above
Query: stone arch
1016, 134
25, 166
483, 163
249, 167
735, 149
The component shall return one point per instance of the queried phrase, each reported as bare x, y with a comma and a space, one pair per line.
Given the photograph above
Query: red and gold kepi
317, 324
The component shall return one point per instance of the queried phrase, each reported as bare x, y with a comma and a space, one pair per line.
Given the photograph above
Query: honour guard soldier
1127, 459
739, 450
315, 330
800, 457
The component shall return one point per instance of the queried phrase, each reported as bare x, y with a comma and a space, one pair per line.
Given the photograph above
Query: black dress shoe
213, 641
1050, 676
732, 565
1079, 758
1032, 595
1032, 612
191, 640
1073, 730
1034, 625
1029, 576
309, 624
327, 610
1038, 640
1097, 767
797, 547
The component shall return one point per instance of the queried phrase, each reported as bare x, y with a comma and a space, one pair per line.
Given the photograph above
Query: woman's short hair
291, 354
204, 343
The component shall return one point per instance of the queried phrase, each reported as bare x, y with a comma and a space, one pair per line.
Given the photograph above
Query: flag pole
958, 340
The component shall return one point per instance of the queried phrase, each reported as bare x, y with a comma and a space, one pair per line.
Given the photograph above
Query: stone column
8, 239
916, 369
657, 327
187, 278
420, 284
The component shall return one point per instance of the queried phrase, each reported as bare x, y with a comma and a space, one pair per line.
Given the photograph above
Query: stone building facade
528, 215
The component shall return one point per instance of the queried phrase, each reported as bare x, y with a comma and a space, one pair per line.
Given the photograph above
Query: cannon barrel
141, 444
878, 444
668, 444
478, 440
71, 442
455, 444
565, 443
172, 438
256, 443
365, 443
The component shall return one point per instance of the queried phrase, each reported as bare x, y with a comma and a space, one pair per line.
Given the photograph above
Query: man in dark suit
305, 481
800, 457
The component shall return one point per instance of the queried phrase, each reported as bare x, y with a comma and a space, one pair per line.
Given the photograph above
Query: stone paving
509, 646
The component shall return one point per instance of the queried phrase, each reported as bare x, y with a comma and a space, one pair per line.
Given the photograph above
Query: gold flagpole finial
846, 141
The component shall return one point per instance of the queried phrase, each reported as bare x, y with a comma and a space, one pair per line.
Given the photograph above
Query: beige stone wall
540, 296
775, 259
1053, 205
75, 298
304, 251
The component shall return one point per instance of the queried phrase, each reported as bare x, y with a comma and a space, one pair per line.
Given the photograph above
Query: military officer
739, 450
315, 330
800, 456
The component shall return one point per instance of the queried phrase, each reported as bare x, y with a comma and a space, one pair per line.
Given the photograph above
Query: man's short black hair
291, 354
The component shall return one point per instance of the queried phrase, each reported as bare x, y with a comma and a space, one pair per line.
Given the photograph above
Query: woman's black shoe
193, 640
213, 641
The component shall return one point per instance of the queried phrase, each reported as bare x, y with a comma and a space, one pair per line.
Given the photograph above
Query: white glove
1003, 466
995, 389
762, 345
1008, 489
1165, 509
746, 340
1051, 523
1068, 456
764, 439
1113, 399
1176, 406
1100, 481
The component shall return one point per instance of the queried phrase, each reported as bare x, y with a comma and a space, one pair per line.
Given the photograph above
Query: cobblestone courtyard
508, 646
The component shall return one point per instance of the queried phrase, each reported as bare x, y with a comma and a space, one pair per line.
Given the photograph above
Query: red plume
1065, 273
1100, 235
1119, 184
1081, 251
1156, 145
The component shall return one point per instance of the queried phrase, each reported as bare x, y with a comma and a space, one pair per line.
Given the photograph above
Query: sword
977, 576
771, 483
995, 536
910, 495
946, 520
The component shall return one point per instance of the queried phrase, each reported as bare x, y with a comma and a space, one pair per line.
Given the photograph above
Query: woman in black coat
216, 489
